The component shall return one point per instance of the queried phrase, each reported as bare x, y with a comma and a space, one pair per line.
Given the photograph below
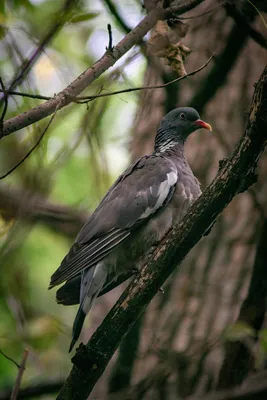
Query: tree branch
66, 96
9, 358
29, 152
21, 203
21, 370
235, 175
245, 25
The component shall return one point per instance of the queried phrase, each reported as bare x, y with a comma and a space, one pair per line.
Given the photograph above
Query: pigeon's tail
77, 327
69, 293
92, 282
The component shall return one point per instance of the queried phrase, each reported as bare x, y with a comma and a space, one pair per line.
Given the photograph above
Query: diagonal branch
31, 149
241, 21
15, 390
66, 96
235, 175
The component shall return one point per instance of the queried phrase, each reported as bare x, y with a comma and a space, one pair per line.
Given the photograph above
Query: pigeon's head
177, 125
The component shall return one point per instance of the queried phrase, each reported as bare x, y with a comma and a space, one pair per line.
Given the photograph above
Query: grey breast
130, 254
186, 192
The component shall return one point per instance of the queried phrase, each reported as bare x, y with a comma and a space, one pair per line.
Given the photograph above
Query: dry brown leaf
175, 56
164, 42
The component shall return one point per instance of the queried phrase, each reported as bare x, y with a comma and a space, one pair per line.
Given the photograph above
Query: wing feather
144, 188
86, 259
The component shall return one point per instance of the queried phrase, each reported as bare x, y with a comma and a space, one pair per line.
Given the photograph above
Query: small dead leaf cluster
165, 42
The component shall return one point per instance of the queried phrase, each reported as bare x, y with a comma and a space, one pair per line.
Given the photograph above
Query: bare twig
3, 89
28, 95
70, 93
110, 47
180, 78
9, 358
32, 149
86, 99
15, 390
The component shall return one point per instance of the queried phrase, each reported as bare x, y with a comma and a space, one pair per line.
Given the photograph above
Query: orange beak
203, 124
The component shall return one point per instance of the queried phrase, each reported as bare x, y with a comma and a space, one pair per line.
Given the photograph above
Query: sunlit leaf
83, 17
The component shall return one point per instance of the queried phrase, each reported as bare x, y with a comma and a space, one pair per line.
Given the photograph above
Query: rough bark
235, 175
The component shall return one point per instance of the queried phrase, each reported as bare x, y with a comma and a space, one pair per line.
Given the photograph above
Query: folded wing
144, 188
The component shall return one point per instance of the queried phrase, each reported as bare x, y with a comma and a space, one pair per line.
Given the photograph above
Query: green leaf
83, 17
238, 331
263, 339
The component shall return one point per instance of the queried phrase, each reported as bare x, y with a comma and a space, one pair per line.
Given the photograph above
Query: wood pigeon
150, 197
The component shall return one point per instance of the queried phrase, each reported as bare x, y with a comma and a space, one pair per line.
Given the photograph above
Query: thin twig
113, 9
3, 89
29, 95
9, 358
86, 99
110, 46
15, 390
206, 12
32, 149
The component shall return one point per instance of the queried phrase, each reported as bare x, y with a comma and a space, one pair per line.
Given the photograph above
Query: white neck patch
165, 146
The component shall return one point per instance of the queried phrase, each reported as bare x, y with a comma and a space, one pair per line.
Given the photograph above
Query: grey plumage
137, 211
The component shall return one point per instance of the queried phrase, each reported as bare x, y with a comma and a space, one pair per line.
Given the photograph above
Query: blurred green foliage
83, 151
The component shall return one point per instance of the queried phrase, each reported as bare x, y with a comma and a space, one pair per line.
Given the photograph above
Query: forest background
207, 331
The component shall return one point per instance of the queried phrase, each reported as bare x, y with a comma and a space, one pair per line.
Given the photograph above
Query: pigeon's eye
182, 116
